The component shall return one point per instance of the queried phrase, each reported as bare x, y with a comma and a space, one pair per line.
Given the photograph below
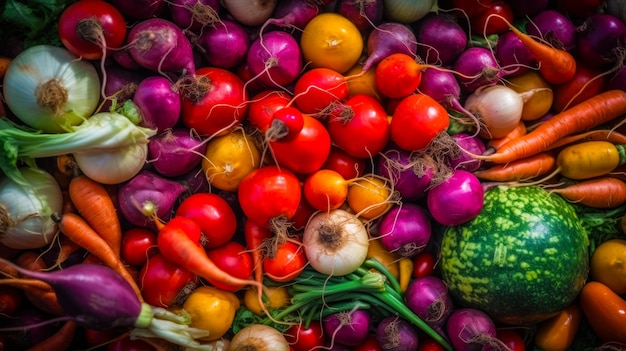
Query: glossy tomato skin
214, 215
216, 103
429, 344
361, 127
512, 339
286, 263
424, 264
307, 151
471, 8
303, 338
233, 259
78, 15
490, 21
164, 283
269, 193
370, 344
347, 165
10, 300
263, 105
317, 88
137, 245
416, 121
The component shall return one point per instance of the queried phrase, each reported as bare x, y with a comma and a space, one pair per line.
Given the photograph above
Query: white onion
408, 11
250, 12
112, 166
335, 242
50, 89
26, 209
258, 337
498, 107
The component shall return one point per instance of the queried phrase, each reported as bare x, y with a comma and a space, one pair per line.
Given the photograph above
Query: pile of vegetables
312, 174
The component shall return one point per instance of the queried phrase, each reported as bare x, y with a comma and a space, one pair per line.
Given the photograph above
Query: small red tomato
164, 283
429, 345
306, 339
495, 20
370, 344
263, 105
512, 339
137, 245
233, 259
216, 218
424, 264
10, 300
90, 28
318, 88
341, 162
286, 263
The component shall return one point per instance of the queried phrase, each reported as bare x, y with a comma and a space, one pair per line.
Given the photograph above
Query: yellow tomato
390, 260
369, 197
538, 92
332, 41
274, 297
608, 265
362, 83
229, 158
211, 309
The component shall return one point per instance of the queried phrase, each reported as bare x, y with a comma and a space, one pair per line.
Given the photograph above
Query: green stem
373, 263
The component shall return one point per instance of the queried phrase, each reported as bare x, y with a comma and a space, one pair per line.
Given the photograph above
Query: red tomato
491, 21
361, 127
213, 214
286, 263
429, 345
318, 88
471, 8
424, 264
216, 104
10, 300
286, 124
370, 344
263, 105
88, 26
587, 82
512, 339
341, 162
303, 213
306, 339
164, 283
137, 245
233, 259
269, 193
416, 121
307, 152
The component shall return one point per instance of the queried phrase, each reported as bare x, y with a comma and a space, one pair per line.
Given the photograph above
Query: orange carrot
603, 192
96, 206
522, 169
61, 340
517, 132
555, 65
4, 65
79, 231
39, 293
593, 135
256, 237
588, 114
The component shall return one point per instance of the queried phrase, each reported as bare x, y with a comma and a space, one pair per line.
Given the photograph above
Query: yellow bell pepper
211, 309
390, 260
275, 297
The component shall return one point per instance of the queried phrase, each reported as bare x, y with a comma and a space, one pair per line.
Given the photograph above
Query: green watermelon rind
503, 263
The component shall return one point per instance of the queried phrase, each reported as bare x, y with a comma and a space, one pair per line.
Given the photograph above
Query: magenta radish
441, 39
148, 196
405, 230
275, 59
601, 40
349, 328
290, 15
467, 145
410, 174
476, 67
457, 199
225, 44
194, 15
394, 333
366, 15
175, 152
120, 84
472, 330
513, 56
555, 28
140, 9
161, 46
386, 39
158, 103
429, 299
96, 297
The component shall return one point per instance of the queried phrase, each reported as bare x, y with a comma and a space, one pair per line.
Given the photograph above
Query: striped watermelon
521, 260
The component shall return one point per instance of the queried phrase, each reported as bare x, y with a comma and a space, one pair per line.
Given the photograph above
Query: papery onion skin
408, 11
26, 209
72, 88
258, 337
499, 109
335, 242
250, 12
112, 167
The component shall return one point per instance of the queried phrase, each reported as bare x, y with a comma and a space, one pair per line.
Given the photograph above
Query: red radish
286, 125
416, 121
398, 75
263, 105
318, 88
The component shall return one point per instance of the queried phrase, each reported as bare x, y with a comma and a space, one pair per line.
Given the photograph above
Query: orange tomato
608, 265
331, 40
538, 94
369, 196
325, 189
